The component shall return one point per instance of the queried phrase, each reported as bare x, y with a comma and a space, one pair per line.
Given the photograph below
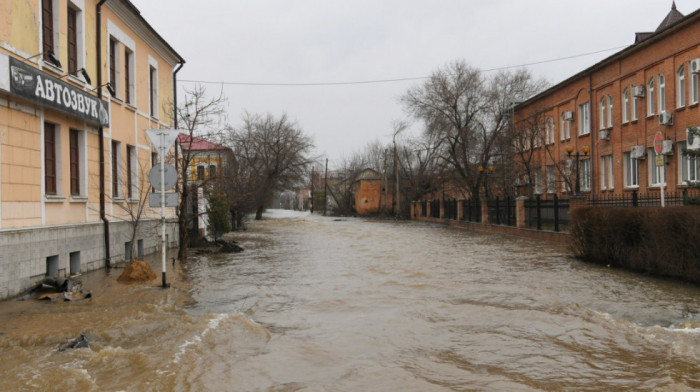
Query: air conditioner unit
693, 141
665, 118
569, 115
638, 91
667, 147
638, 152
695, 66
604, 134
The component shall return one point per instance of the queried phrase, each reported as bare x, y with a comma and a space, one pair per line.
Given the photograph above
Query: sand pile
137, 271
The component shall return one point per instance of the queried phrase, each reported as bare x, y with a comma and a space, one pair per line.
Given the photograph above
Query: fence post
485, 211
635, 199
460, 210
539, 212
508, 217
520, 213
556, 212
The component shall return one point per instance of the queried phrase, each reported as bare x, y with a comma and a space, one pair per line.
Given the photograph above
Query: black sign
37, 86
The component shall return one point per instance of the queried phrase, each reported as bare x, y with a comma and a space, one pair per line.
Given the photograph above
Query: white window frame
680, 87
124, 41
610, 111
551, 179
650, 97
602, 108
58, 162
693, 88
688, 167
607, 179
635, 108
631, 168
661, 94
565, 128
538, 181
549, 130
567, 168
79, 6
82, 164
57, 12
584, 122
625, 105
153, 107
585, 173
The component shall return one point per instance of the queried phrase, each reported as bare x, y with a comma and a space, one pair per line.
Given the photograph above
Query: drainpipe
592, 135
100, 134
179, 66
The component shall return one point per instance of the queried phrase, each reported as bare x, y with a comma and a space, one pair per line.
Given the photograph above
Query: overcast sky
332, 41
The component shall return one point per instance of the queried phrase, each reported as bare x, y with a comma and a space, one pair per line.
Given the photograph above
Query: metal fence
547, 214
471, 210
502, 212
450, 209
636, 199
435, 209
424, 209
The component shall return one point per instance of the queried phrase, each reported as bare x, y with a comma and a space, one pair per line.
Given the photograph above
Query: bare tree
469, 113
274, 152
198, 116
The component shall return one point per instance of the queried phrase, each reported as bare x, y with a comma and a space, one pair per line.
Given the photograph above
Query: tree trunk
182, 224
258, 213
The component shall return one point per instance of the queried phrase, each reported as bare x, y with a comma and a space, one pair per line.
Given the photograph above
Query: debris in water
82, 341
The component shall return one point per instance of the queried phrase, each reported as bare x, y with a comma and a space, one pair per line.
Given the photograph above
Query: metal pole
162, 203
578, 176
396, 173
663, 181
325, 186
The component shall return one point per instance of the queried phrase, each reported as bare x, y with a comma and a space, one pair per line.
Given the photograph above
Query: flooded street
320, 304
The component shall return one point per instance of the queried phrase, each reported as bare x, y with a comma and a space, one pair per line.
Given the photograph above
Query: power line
377, 81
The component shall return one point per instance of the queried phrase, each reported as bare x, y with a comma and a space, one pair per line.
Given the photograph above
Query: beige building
75, 102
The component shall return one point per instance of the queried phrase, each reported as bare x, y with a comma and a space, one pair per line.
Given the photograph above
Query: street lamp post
569, 152
486, 179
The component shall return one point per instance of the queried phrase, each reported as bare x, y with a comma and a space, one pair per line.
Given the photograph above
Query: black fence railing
636, 199
424, 209
502, 212
435, 209
547, 214
450, 209
471, 210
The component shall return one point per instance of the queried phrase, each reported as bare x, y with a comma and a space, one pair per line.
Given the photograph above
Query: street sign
170, 177
660, 160
170, 199
658, 142
168, 137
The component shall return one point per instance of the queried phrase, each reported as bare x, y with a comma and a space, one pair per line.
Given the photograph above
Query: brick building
609, 115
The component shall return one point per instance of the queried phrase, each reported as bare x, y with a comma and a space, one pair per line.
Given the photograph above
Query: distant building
207, 160
609, 115
80, 83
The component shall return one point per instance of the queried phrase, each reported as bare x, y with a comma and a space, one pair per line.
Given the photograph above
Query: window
662, 94
74, 162
610, 111
657, 174
47, 23
585, 174
603, 106
113, 64
200, 173
212, 172
551, 179
635, 108
50, 158
606, 172
538, 181
688, 166
680, 87
650, 98
72, 40
694, 88
631, 168
128, 76
549, 131
153, 88
584, 119
116, 150
625, 105
131, 165
566, 168
565, 127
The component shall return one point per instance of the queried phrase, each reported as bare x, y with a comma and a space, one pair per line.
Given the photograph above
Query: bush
661, 241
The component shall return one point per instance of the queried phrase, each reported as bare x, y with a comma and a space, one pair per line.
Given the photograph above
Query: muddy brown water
316, 304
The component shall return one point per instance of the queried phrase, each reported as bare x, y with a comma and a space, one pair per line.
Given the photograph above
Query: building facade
80, 83
604, 120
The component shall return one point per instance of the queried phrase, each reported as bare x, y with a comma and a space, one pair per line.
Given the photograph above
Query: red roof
197, 144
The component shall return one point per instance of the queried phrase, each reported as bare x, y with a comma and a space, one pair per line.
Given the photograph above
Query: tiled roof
670, 19
197, 144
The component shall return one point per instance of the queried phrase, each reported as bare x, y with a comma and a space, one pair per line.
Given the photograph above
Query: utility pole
396, 174
312, 190
325, 186
386, 187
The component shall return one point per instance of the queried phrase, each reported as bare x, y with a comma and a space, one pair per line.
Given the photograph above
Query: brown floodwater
319, 304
